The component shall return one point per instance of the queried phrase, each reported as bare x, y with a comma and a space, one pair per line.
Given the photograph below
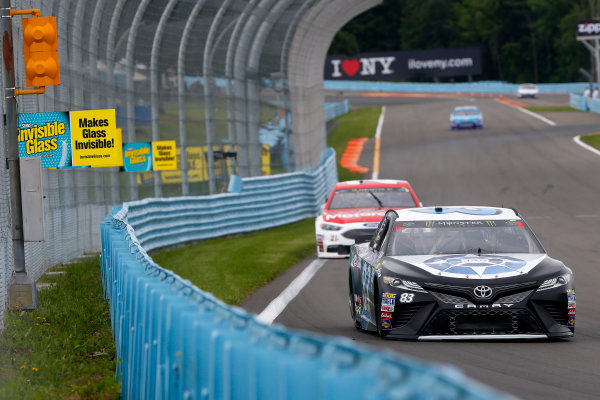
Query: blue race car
466, 117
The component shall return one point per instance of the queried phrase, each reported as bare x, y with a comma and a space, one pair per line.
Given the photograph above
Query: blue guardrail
175, 341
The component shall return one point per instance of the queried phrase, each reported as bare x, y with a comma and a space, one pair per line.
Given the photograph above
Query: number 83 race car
438, 273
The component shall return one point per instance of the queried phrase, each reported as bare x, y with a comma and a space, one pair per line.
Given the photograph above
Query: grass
553, 109
358, 123
592, 139
64, 349
233, 267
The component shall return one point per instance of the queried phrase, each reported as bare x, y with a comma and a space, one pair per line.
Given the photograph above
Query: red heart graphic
350, 67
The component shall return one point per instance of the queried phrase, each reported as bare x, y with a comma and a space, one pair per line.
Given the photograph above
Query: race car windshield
397, 197
462, 237
466, 112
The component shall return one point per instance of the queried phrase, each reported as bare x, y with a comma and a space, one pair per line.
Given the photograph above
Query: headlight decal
555, 282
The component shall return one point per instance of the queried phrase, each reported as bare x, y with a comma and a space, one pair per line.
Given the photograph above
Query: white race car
528, 90
353, 211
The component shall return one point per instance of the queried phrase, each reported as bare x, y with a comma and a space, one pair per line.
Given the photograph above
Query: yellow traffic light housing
40, 46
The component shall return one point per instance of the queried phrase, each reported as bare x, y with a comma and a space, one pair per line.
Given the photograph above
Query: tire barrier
175, 341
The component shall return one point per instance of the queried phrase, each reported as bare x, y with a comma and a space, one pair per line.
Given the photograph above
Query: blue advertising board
137, 156
47, 135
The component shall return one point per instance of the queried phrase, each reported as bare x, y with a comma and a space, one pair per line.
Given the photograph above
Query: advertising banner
137, 157
224, 167
96, 142
588, 28
405, 64
47, 135
164, 155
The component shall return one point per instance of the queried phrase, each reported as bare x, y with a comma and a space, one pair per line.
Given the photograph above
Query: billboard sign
47, 135
137, 156
588, 28
164, 154
96, 142
405, 64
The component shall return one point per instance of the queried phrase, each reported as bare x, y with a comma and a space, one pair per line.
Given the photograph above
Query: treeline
521, 40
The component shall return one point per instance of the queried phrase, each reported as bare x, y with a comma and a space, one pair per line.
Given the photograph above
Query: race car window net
462, 237
397, 197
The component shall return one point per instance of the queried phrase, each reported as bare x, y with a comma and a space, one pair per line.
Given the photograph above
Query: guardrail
177, 342
578, 102
334, 110
464, 87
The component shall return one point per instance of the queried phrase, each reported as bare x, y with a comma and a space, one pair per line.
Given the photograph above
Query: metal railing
177, 342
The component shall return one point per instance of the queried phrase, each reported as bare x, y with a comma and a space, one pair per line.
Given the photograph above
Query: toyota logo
482, 291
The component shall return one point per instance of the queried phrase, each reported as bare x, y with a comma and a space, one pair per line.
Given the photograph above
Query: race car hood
351, 215
473, 266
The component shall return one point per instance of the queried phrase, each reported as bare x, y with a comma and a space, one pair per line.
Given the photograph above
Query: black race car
438, 273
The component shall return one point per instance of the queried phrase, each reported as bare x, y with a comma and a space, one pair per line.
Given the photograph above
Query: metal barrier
178, 342
464, 87
578, 102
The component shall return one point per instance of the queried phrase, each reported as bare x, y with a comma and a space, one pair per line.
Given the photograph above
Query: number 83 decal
406, 298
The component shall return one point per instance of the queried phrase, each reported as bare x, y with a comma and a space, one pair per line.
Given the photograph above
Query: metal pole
252, 80
285, 48
154, 98
189, 24
110, 77
242, 151
208, 97
22, 291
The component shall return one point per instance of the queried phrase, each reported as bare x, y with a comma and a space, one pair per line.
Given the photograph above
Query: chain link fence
216, 76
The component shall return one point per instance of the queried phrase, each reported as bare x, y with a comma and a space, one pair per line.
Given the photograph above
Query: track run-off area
517, 160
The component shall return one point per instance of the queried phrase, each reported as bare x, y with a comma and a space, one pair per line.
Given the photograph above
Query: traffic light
40, 45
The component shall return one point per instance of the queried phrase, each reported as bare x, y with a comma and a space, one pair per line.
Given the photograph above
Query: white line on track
375, 174
577, 139
526, 111
279, 304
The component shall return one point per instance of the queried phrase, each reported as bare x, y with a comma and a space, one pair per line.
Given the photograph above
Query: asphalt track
515, 161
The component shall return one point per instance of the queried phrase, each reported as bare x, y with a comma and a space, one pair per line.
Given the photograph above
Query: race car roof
463, 108
455, 213
371, 183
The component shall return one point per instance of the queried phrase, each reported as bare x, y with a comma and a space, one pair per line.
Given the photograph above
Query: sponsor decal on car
495, 305
571, 322
571, 304
571, 311
386, 315
387, 308
388, 295
570, 291
386, 325
570, 297
389, 302
406, 297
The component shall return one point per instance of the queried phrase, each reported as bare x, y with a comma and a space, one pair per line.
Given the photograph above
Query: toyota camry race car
438, 273
353, 210
466, 117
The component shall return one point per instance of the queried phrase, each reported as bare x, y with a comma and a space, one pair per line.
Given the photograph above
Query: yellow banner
95, 140
198, 167
164, 155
